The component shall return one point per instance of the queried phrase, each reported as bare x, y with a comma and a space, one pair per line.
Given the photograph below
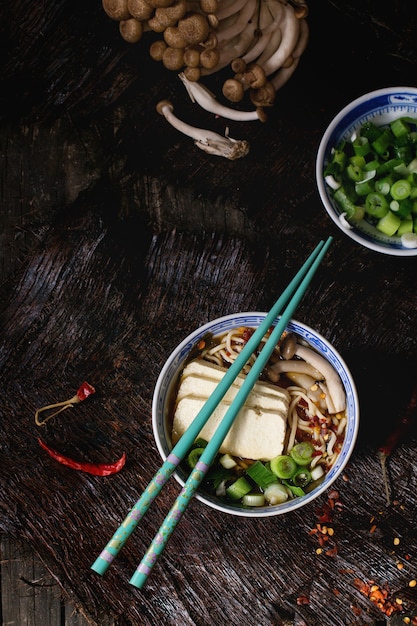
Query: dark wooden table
118, 236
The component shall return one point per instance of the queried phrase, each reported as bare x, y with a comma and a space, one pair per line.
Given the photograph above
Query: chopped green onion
302, 453
406, 226
239, 488
374, 175
193, 456
276, 493
376, 204
400, 128
261, 475
227, 461
317, 472
400, 189
389, 224
302, 477
253, 499
295, 490
283, 466
361, 146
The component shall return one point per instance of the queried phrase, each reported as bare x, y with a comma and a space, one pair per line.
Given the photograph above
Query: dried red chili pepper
406, 421
83, 392
98, 469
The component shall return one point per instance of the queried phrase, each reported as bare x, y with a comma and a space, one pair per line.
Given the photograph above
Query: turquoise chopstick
122, 534
160, 540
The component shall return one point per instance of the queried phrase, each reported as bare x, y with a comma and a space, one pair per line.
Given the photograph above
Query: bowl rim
346, 228
180, 353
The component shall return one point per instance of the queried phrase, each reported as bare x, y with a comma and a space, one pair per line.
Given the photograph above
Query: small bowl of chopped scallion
366, 170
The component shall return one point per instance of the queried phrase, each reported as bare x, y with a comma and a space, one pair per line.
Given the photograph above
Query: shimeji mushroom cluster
259, 41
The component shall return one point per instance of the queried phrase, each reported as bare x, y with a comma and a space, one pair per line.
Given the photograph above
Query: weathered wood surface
118, 237
30, 595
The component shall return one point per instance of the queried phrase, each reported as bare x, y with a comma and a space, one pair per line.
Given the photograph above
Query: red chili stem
97, 469
85, 390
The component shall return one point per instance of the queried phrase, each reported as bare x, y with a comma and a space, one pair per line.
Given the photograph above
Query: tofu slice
258, 431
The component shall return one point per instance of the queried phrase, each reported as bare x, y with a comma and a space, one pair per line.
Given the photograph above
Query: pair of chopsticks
291, 298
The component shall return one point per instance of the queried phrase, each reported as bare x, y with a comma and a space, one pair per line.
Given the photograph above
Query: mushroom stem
200, 94
206, 140
290, 30
332, 380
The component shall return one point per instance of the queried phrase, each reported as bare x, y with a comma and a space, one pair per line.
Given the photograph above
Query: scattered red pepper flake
83, 392
97, 469
323, 530
303, 600
379, 596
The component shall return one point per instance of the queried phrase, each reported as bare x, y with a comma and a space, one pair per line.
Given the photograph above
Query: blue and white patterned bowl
168, 378
381, 106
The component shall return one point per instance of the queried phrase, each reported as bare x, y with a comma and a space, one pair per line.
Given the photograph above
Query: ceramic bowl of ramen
293, 436
368, 147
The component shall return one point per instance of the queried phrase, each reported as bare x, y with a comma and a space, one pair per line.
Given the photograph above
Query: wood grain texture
118, 238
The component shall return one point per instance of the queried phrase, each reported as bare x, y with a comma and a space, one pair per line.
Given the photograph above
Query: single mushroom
193, 74
116, 9
170, 15
141, 9
157, 49
173, 58
332, 379
254, 76
238, 66
209, 6
194, 27
131, 30
233, 90
192, 56
206, 140
209, 57
298, 366
200, 94
156, 25
264, 96
173, 38
288, 345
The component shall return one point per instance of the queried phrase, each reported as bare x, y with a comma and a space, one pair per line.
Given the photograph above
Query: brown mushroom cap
254, 76
169, 16
160, 3
155, 25
233, 90
157, 50
192, 56
131, 30
264, 96
173, 58
164, 103
116, 9
192, 73
209, 6
173, 37
238, 65
209, 58
194, 27
141, 9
